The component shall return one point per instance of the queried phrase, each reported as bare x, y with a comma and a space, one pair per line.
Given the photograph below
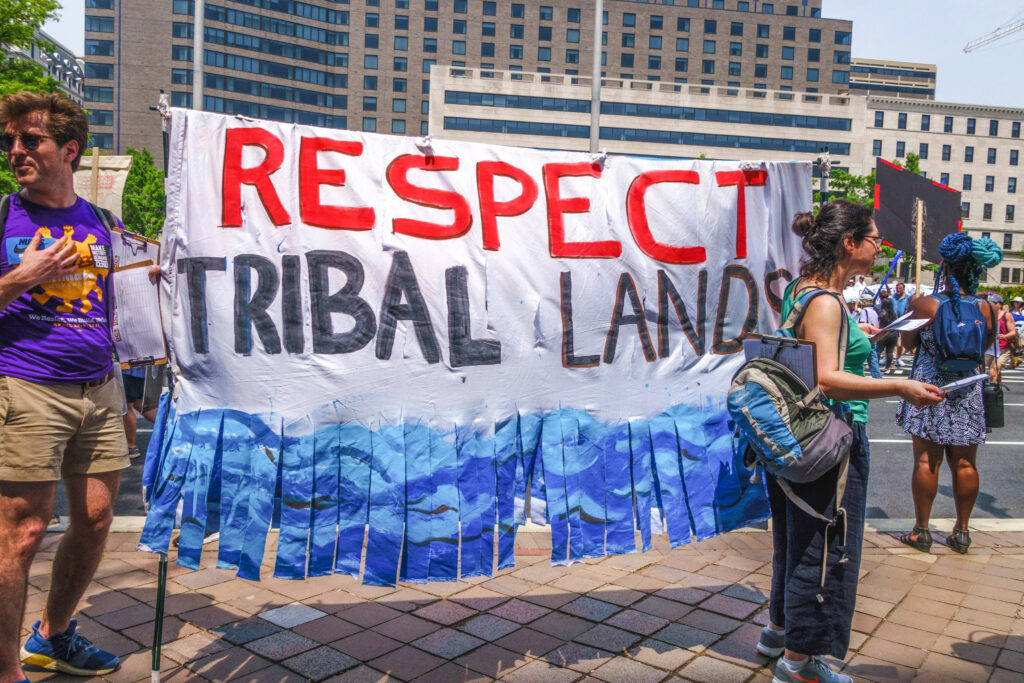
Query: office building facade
365, 64
892, 79
970, 148
60, 62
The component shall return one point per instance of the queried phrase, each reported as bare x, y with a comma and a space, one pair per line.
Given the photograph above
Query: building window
735, 69
993, 128
840, 76
371, 41
965, 210
653, 63
1014, 154
767, 8
946, 152
736, 28
544, 54
102, 117
461, 6
369, 103
814, 35
654, 42
763, 31
99, 48
876, 148
369, 82
626, 59
787, 51
490, 8
922, 150
707, 66
901, 150
760, 71
986, 212
840, 57
786, 73
735, 49
709, 47
683, 24
1015, 129
710, 26
398, 126
103, 72
488, 28
813, 54
372, 20
369, 124
926, 121
515, 51
402, 43
99, 24
967, 182
1009, 219
844, 38
682, 63
628, 40
573, 15
430, 24
947, 125
544, 33
969, 154
628, 19
789, 32
1011, 186
1004, 274
430, 44
682, 44
572, 35
901, 121
572, 56
944, 179
761, 51
657, 22
427, 63
990, 183
970, 126
425, 107
518, 10
398, 85
370, 61
487, 50
991, 155
459, 26
879, 119
547, 13
516, 31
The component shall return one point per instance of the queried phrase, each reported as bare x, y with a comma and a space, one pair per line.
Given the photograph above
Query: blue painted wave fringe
420, 496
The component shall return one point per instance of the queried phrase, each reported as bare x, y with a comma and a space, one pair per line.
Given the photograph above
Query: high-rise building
365, 64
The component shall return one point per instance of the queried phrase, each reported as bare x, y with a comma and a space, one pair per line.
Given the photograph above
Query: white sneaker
813, 670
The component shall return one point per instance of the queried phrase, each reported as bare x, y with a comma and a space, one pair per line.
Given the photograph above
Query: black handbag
992, 398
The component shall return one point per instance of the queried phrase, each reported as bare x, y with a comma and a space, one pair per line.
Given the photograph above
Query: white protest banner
408, 335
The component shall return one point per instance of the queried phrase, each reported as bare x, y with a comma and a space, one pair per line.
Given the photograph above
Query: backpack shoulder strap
106, 218
800, 308
5, 208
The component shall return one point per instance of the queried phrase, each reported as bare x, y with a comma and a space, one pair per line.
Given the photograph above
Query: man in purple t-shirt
60, 408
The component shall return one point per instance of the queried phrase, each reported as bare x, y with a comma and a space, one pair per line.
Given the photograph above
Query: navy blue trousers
813, 627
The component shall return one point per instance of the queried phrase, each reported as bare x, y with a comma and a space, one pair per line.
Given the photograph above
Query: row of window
647, 110
634, 135
947, 124
990, 183
986, 212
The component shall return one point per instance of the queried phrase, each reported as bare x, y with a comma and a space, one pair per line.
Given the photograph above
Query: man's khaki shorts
50, 431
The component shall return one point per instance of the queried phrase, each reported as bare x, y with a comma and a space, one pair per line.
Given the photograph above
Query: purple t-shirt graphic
57, 332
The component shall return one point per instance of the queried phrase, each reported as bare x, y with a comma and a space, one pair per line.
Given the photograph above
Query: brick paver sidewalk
691, 613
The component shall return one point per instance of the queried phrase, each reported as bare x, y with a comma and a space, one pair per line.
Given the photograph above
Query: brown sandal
918, 539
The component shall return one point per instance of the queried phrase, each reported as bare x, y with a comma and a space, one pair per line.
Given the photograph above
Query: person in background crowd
1017, 311
134, 383
1006, 337
900, 302
869, 316
887, 344
840, 241
955, 427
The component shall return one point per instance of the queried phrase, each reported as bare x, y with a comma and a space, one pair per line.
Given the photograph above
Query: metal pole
158, 623
595, 84
197, 55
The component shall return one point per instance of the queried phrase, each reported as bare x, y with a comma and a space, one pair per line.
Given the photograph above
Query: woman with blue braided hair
954, 428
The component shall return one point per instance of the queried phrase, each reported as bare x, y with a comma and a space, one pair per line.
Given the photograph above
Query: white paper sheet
903, 323
137, 329
965, 382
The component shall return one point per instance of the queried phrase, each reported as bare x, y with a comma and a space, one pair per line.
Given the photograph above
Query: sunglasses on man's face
30, 141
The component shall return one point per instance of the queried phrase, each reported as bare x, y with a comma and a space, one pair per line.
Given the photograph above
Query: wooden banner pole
917, 254
94, 191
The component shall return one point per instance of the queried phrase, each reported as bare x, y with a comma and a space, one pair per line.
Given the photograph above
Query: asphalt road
1001, 466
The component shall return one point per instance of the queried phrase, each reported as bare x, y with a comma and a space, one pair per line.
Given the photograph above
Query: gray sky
931, 31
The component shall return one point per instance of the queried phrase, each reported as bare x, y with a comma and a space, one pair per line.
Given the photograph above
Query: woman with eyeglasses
954, 428
840, 242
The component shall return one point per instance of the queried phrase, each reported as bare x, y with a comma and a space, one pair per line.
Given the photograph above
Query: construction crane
1014, 25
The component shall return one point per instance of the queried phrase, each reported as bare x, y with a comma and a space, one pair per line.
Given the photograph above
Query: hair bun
804, 224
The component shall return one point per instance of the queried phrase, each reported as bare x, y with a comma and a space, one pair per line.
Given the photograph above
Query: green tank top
858, 348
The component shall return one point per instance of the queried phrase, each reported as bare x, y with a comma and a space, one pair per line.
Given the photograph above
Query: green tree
19, 20
143, 204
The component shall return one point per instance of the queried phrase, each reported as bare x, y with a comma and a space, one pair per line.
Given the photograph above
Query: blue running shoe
68, 652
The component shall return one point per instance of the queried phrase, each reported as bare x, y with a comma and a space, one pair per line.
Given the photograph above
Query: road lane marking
987, 443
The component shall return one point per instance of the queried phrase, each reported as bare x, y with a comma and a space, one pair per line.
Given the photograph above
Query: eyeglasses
30, 141
878, 239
